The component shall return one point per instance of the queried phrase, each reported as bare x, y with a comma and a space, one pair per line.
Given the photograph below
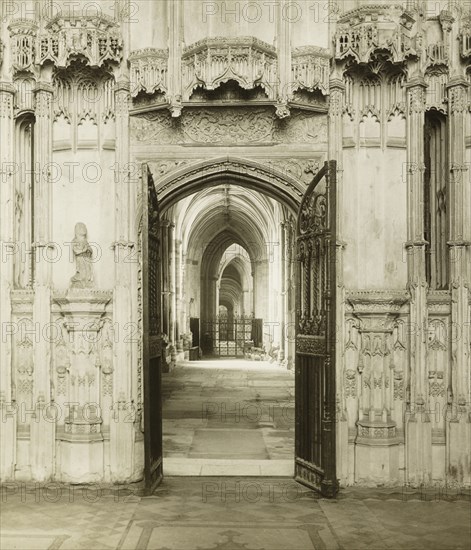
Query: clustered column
459, 438
418, 425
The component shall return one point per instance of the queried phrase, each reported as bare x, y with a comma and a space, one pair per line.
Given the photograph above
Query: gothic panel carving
23, 362
83, 99
94, 39
212, 61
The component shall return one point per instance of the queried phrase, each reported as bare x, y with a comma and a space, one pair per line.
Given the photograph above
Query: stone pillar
458, 438
165, 259
335, 130
42, 426
175, 58
418, 430
121, 429
178, 293
172, 283
283, 314
7, 251
283, 41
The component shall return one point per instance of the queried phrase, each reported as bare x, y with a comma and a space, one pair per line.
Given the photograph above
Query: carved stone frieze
97, 40
212, 61
310, 69
149, 71
228, 125
23, 44
363, 32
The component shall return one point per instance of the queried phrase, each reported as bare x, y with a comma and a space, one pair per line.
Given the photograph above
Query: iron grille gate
227, 336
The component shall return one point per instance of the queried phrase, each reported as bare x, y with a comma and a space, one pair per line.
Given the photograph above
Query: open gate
151, 332
315, 457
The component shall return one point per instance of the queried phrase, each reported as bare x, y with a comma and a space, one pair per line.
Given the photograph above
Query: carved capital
457, 95
416, 97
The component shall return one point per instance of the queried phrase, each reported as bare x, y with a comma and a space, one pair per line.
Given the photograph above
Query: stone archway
268, 181
271, 181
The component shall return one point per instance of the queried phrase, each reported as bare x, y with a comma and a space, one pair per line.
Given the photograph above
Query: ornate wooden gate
151, 328
315, 335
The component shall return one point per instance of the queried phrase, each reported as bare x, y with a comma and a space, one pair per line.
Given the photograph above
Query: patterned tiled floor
230, 514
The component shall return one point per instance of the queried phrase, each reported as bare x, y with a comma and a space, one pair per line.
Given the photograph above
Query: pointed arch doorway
316, 241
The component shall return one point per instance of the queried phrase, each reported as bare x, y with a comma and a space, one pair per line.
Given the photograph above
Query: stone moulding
213, 61
149, 71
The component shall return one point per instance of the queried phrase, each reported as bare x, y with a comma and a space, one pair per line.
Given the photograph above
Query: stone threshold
227, 467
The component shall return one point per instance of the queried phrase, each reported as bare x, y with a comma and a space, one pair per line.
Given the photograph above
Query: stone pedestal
80, 444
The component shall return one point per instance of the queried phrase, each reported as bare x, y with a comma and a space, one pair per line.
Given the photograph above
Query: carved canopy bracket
149, 71
95, 39
23, 44
213, 61
310, 69
370, 29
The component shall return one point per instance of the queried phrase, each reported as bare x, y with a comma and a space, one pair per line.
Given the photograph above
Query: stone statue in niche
83, 277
